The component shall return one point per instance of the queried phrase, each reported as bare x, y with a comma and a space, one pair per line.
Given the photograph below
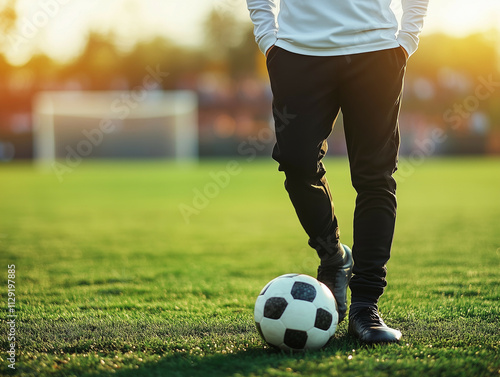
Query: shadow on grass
252, 362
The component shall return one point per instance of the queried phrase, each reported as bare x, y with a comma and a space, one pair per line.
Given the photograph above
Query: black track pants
309, 92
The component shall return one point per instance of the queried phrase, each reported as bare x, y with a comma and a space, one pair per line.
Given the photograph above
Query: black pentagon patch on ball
323, 319
274, 307
303, 291
295, 339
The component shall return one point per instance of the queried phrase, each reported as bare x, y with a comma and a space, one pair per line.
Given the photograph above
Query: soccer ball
296, 312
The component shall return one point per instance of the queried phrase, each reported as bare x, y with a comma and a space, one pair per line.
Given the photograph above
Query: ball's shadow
253, 361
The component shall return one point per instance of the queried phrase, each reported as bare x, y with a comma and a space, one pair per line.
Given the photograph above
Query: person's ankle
331, 254
357, 306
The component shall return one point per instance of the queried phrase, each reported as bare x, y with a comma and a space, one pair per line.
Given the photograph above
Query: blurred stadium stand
446, 91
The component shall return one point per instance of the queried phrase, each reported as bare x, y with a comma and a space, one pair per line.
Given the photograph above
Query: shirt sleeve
263, 15
412, 21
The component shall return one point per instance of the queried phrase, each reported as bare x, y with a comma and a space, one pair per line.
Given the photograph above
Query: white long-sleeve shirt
336, 27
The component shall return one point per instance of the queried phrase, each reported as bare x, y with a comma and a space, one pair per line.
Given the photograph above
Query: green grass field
112, 280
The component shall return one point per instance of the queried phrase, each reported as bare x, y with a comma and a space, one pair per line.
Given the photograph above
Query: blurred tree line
227, 47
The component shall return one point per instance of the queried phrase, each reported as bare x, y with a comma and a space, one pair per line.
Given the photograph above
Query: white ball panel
258, 312
334, 325
299, 315
317, 338
273, 330
266, 286
292, 275
279, 288
326, 303
307, 279
325, 291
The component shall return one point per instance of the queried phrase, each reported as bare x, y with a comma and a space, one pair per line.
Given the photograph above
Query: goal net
74, 125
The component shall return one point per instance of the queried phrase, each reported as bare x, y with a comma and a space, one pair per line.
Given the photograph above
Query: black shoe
366, 325
337, 279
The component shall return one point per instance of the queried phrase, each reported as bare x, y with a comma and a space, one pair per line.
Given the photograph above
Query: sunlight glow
60, 29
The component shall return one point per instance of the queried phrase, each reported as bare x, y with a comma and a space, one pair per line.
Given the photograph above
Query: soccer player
324, 56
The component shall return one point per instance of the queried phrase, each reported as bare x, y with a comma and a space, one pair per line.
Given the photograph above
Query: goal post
115, 124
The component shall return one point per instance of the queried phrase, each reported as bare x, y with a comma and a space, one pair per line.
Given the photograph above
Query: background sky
60, 30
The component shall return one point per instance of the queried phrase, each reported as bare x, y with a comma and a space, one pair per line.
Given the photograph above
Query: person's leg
305, 106
371, 92
370, 100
